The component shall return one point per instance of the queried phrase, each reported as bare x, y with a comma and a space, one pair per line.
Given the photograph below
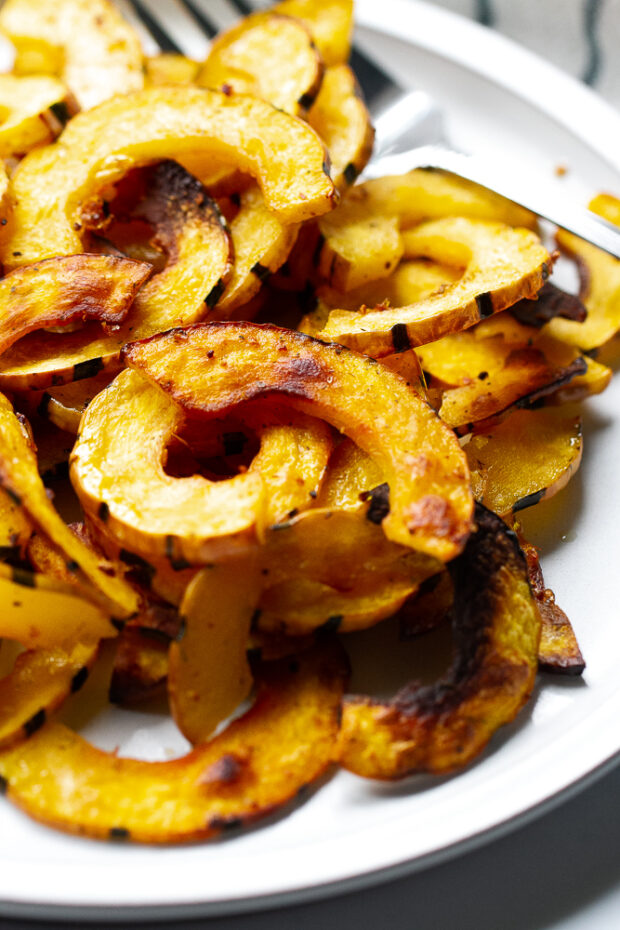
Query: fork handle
543, 197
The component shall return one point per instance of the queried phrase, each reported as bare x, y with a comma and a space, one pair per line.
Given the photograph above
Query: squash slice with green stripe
259, 763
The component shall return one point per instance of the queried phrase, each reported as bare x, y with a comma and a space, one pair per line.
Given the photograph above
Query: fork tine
206, 24
164, 39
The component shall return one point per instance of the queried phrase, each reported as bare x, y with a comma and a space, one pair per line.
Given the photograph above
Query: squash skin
285, 155
211, 368
502, 265
442, 727
260, 762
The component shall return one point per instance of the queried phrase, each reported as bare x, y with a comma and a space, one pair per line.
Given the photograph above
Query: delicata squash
237, 59
441, 727
53, 185
500, 266
35, 110
284, 742
117, 468
85, 42
60, 292
19, 477
211, 368
186, 227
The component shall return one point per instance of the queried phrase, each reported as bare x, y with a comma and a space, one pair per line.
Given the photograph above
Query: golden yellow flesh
33, 110
531, 455
85, 42
342, 120
261, 245
20, 476
282, 153
40, 612
64, 291
285, 741
117, 469
213, 367
354, 254
237, 59
39, 682
501, 265
209, 674
330, 24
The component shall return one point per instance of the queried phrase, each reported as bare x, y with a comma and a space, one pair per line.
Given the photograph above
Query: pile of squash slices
283, 406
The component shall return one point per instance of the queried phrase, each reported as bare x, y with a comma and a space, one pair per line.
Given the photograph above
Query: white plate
498, 98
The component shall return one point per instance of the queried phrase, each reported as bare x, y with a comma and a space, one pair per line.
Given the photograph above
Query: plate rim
522, 72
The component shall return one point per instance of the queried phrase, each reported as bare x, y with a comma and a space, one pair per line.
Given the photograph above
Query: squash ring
211, 368
442, 727
48, 190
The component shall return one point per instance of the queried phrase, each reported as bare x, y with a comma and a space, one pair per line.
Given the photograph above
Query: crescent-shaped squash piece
87, 42
237, 59
211, 368
440, 728
19, 476
261, 761
501, 265
64, 291
53, 184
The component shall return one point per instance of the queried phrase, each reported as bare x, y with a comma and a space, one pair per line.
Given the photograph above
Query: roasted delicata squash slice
261, 245
97, 148
302, 606
117, 467
197, 247
500, 265
41, 612
440, 728
330, 23
351, 476
63, 292
411, 281
341, 118
170, 68
600, 287
496, 366
261, 761
88, 44
211, 368
35, 110
341, 548
558, 651
530, 456
19, 477
209, 673
15, 527
357, 247
41, 680
64, 405
237, 60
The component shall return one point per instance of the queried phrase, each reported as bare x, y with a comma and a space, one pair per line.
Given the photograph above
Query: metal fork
403, 120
